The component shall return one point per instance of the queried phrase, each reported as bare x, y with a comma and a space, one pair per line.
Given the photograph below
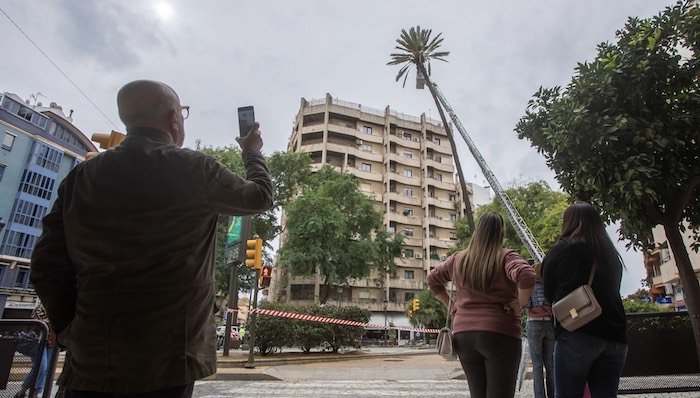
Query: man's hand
252, 141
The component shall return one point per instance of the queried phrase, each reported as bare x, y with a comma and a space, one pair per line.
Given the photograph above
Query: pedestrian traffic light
416, 305
265, 277
253, 253
410, 313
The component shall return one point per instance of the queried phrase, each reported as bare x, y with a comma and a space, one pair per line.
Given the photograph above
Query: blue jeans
42, 354
540, 336
581, 358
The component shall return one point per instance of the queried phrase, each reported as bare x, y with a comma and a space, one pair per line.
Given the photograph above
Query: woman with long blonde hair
493, 284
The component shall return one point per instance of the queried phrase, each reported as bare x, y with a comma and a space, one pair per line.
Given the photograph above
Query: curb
300, 360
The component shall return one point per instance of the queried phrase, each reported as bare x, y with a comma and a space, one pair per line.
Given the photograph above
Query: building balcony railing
446, 167
402, 160
412, 240
413, 143
366, 175
446, 185
409, 220
411, 200
408, 284
442, 243
356, 134
444, 204
442, 223
439, 148
414, 180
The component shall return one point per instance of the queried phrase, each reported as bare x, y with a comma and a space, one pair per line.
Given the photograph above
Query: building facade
40, 146
406, 164
662, 273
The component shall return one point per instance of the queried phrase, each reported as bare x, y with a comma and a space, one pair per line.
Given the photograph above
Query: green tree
431, 314
289, 172
624, 135
541, 207
417, 48
330, 228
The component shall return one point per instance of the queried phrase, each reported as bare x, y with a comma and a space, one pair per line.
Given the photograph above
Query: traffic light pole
232, 304
253, 324
233, 285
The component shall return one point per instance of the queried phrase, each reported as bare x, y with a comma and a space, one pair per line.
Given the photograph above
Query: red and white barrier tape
344, 322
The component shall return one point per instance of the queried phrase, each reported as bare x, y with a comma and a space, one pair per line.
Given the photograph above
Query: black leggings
490, 361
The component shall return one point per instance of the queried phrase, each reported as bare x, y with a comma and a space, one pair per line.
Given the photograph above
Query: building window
25, 113
453, 217
437, 141
367, 130
66, 136
408, 253
408, 296
407, 136
3, 267
408, 274
408, 212
408, 173
18, 244
438, 177
8, 141
48, 158
366, 167
408, 192
407, 154
408, 232
438, 159
451, 197
37, 184
367, 148
2, 170
22, 276
392, 230
28, 213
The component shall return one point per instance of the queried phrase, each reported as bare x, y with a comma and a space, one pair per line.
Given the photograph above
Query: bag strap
590, 279
448, 318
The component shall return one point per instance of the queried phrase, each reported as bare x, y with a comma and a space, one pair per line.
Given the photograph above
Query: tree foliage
624, 134
333, 227
431, 314
541, 208
289, 172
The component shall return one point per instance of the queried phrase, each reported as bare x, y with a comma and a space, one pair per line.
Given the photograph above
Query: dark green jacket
125, 264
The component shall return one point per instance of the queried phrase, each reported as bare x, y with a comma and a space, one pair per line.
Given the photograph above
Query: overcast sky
219, 55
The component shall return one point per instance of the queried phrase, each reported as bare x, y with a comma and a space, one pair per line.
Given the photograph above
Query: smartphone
246, 119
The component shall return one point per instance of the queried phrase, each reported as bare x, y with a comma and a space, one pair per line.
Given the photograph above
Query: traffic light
265, 277
416, 305
106, 141
253, 253
110, 140
410, 313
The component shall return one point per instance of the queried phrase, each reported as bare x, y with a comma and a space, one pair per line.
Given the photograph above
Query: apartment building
665, 284
40, 146
406, 164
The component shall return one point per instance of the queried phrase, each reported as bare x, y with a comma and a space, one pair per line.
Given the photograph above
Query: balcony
400, 218
408, 284
365, 175
351, 149
444, 147
414, 181
412, 240
446, 167
658, 281
442, 243
446, 185
411, 200
413, 162
443, 204
413, 143
374, 138
442, 223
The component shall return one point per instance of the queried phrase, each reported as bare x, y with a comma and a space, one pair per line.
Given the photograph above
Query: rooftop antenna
35, 97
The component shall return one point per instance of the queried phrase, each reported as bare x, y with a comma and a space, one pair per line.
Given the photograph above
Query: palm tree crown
417, 48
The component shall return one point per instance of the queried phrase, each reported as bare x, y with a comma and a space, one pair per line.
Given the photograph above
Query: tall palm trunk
453, 145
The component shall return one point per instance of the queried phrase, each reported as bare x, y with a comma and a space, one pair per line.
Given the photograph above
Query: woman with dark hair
493, 284
594, 353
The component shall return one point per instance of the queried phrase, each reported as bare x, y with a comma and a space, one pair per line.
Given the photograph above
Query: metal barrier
661, 354
24, 358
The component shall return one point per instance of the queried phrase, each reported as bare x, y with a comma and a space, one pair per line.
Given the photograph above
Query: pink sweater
494, 310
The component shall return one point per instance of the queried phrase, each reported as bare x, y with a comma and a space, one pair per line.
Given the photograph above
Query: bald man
125, 265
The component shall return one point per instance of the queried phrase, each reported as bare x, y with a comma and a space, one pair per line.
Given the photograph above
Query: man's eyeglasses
185, 111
